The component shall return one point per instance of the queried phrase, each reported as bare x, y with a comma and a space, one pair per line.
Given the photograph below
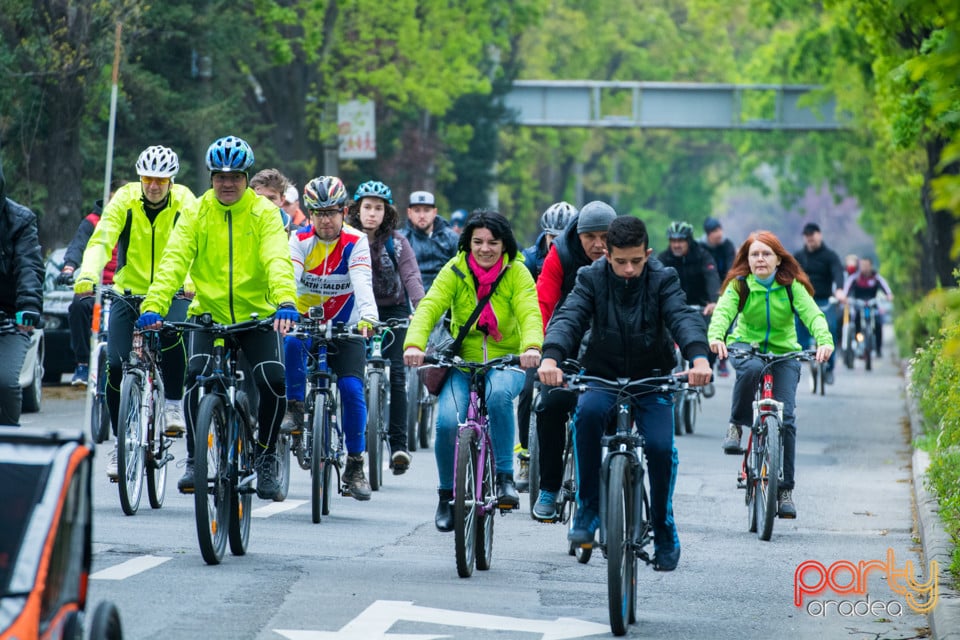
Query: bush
916, 325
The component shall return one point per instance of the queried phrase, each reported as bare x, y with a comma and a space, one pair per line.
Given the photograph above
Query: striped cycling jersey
335, 274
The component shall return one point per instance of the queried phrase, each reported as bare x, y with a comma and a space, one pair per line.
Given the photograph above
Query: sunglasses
154, 180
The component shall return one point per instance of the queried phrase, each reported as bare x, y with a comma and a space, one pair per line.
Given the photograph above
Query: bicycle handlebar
219, 329
442, 360
803, 356
578, 382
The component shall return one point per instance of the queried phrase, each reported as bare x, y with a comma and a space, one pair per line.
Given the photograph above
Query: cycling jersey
335, 274
140, 242
864, 287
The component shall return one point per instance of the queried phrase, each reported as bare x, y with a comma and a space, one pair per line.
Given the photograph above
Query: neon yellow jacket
237, 257
140, 246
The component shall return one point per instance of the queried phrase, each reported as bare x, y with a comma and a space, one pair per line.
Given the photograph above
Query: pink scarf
487, 321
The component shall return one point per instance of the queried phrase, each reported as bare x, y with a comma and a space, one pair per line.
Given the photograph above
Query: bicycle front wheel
621, 559
157, 452
99, 414
318, 462
413, 408
822, 368
375, 408
568, 504
768, 478
211, 487
130, 439
533, 462
465, 503
428, 409
691, 409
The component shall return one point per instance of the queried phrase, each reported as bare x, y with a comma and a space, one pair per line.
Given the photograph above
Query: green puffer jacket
767, 319
514, 303
139, 245
237, 257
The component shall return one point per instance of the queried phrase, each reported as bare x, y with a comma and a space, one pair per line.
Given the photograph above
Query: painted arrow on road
374, 622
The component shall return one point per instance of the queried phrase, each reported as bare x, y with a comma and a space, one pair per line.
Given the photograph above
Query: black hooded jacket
631, 322
21, 266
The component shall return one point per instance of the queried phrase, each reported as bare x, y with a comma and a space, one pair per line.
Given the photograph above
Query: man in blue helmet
234, 247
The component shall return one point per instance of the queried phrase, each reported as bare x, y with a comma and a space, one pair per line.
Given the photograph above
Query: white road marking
276, 507
129, 568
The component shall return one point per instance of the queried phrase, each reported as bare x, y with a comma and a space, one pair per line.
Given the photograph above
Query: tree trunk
937, 265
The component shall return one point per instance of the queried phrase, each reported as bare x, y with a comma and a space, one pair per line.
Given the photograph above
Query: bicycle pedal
173, 433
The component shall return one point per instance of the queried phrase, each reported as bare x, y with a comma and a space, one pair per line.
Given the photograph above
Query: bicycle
97, 378
421, 407
818, 370
474, 494
319, 448
860, 344
625, 528
686, 403
762, 468
377, 388
224, 458
143, 444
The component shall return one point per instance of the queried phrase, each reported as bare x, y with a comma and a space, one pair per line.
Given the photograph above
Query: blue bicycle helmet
229, 154
375, 189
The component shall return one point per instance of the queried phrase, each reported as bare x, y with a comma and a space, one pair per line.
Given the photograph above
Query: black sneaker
400, 462
354, 480
267, 485
507, 496
185, 483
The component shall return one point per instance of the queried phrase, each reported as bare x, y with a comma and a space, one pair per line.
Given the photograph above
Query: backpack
743, 291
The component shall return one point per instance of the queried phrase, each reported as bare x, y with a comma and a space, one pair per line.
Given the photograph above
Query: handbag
434, 378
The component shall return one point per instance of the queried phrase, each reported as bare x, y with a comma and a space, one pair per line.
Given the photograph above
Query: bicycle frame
476, 421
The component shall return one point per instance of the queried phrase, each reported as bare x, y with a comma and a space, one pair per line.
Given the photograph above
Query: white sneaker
173, 414
112, 472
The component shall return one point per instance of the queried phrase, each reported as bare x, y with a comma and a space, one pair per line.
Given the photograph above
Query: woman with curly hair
763, 290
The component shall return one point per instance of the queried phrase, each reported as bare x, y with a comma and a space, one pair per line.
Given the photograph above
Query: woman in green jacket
508, 324
767, 285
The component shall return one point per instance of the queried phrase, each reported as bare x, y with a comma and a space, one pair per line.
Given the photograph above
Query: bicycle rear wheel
568, 504
99, 414
211, 487
868, 347
533, 462
822, 369
375, 410
768, 478
621, 559
317, 457
130, 453
486, 518
428, 410
157, 452
814, 377
413, 408
283, 462
691, 409
678, 402
465, 503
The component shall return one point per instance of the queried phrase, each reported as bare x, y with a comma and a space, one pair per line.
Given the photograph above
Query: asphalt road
380, 568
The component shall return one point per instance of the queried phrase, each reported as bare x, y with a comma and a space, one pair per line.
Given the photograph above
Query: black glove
28, 318
65, 277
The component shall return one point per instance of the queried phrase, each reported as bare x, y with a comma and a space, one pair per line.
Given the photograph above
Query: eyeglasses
325, 213
154, 180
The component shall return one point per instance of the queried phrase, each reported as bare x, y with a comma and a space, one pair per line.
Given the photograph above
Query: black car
58, 357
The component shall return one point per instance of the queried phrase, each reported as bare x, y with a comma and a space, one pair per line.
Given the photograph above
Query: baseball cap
422, 197
810, 228
711, 224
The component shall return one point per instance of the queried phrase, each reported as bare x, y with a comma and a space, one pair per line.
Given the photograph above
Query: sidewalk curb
945, 618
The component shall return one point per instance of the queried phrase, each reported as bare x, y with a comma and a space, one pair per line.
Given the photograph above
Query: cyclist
397, 288
582, 243
552, 223
822, 266
763, 290
718, 246
233, 245
80, 312
271, 184
21, 296
851, 263
864, 285
508, 323
139, 221
331, 262
432, 239
291, 206
457, 219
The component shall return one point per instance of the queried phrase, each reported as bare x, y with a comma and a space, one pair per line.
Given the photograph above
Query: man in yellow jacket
138, 221
235, 249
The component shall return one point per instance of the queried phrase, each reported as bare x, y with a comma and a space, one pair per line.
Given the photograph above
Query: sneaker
523, 471
354, 480
785, 506
400, 462
828, 376
507, 496
112, 472
546, 508
80, 376
585, 525
731, 444
666, 559
173, 413
293, 418
185, 483
268, 488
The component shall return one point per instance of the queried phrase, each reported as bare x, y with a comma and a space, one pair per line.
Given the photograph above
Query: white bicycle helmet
158, 162
556, 217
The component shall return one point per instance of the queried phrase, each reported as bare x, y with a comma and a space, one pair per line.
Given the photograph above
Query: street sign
357, 130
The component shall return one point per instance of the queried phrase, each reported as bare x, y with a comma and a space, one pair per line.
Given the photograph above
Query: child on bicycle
763, 290
636, 310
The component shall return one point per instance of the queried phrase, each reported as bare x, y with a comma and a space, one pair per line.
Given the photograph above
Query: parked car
58, 357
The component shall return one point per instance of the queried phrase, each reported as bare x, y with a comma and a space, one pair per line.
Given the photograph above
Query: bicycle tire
822, 368
569, 489
283, 461
99, 414
211, 488
768, 480
317, 457
621, 559
868, 347
105, 622
241, 500
678, 400
814, 376
374, 381
130, 455
465, 503
691, 409
485, 520
413, 408
750, 468
533, 462
156, 451
333, 453
428, 411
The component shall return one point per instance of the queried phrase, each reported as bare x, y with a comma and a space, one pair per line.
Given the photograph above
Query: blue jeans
833, 321
596, 415
502, 387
